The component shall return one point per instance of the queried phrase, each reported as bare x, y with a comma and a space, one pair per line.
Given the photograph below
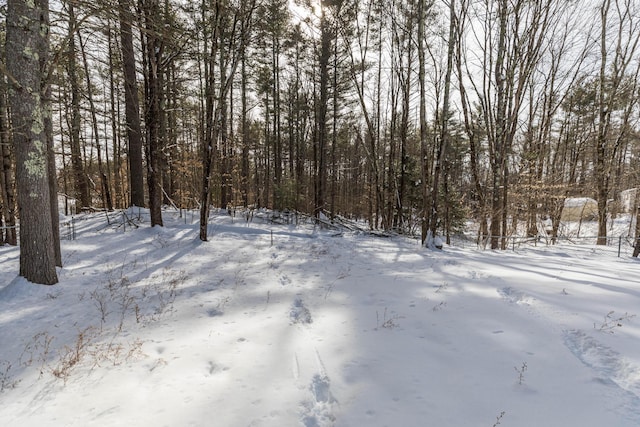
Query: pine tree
132, 106
27, 49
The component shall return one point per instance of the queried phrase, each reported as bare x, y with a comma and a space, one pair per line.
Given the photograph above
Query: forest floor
283, 325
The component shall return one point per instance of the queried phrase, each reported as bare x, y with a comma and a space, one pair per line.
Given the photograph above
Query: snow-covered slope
274, 325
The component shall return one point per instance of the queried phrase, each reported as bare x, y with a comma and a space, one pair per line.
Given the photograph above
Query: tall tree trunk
470, 130
423, 119
498, 162
209, 140
299, 129
277, 136
172, 135
358, 76
107, 202
114, 118
81, 182
379, 144
154, 50
323, 106
241, 21
244, 161
334, 126
27, 49
444, 131
405, 76
6, 172
225, 171
53, 178
43, 49
602, 191
636, 204
602, 188
132, 106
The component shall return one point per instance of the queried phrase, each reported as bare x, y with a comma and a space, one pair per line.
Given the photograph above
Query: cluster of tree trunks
414, 120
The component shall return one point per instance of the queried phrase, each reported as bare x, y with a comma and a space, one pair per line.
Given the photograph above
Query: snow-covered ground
277, 325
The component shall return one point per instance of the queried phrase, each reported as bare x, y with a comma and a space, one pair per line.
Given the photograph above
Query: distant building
579, 208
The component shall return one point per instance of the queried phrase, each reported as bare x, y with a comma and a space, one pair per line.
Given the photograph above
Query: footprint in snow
214, 312
299, 313
212, 368
285, 280
514, 296
318, 410
610, 367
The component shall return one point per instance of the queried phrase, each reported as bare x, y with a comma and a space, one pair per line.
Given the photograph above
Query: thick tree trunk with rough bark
27, 35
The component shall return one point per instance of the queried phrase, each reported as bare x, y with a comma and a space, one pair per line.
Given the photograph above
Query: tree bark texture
27, 34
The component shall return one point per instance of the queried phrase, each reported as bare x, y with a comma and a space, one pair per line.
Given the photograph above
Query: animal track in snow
516, 297
610, 367
285, 280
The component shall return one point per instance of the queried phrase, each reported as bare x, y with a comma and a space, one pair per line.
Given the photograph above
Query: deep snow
282, 325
